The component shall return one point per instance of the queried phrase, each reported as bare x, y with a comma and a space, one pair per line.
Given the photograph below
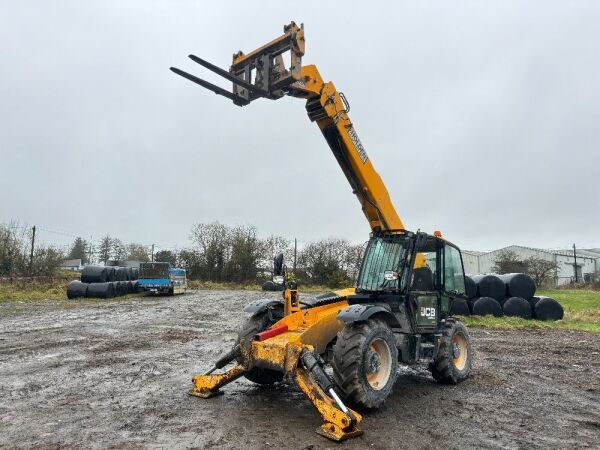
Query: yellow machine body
311, 329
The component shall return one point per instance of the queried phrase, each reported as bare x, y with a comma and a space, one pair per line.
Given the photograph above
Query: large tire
94, 274
365, 363
548, 309
76, 289
470, 287
518, 285
517, 307
486, 306
460, 307
250, 328
454, 358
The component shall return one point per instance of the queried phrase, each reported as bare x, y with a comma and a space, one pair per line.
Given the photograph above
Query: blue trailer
162, 278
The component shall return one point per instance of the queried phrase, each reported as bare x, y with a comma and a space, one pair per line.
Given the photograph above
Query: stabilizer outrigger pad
340, 422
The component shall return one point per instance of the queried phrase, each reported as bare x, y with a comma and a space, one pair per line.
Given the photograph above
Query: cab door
453, 278
426, 286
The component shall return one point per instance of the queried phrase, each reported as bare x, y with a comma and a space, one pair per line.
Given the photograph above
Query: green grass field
582, 312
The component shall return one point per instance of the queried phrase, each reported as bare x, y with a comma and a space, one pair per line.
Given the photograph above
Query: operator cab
425, 270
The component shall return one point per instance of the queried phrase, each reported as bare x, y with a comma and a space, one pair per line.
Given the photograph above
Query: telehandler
399, 311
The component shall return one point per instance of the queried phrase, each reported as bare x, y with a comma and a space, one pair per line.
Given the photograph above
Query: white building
588, 261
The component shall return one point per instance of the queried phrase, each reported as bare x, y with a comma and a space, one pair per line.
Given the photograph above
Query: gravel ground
116, 374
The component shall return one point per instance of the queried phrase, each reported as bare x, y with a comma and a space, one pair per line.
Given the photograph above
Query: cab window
454, 277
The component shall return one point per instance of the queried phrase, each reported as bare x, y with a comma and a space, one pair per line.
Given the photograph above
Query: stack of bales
511, 294
104, 282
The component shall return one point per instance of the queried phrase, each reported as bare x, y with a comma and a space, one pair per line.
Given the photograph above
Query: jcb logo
428, 312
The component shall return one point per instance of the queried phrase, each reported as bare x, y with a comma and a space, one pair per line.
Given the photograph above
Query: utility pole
575, 256
295, 252
31, 253
152, 256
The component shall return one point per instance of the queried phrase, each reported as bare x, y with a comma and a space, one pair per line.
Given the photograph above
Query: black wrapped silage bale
112, 274
94, 274
101, 290
518, 285
135, 287
135, 273
490, 286
76, 289
470, 287
460, 307
517, 307
121, 287
548, 309
487, 306
120, 274
268, 286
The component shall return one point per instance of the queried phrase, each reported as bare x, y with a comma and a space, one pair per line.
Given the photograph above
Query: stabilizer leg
207, 386
338, 425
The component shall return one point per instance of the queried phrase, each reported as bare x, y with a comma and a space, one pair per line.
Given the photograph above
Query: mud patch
116, 374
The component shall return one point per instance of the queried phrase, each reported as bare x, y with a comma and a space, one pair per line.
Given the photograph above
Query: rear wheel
252, 326
452, 363
365, 361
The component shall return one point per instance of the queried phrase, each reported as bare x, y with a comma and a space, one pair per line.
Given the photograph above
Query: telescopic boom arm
262, 73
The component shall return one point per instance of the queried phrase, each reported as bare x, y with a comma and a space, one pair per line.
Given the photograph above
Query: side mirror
278, 265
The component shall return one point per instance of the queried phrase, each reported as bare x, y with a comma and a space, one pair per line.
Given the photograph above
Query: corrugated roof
584, 253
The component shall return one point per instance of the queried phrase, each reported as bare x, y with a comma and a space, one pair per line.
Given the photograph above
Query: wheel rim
379, 364
459, 351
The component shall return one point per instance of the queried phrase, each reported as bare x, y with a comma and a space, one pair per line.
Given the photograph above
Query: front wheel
452, 363
365, 362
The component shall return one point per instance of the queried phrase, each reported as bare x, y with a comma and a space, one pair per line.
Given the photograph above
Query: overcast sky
483, 119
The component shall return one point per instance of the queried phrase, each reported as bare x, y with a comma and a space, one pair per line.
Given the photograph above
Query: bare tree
118, 250
541, 270
79, 250
105, 249
137, 252
166, 256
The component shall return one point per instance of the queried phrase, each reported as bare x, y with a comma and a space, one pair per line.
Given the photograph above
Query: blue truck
162, 278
